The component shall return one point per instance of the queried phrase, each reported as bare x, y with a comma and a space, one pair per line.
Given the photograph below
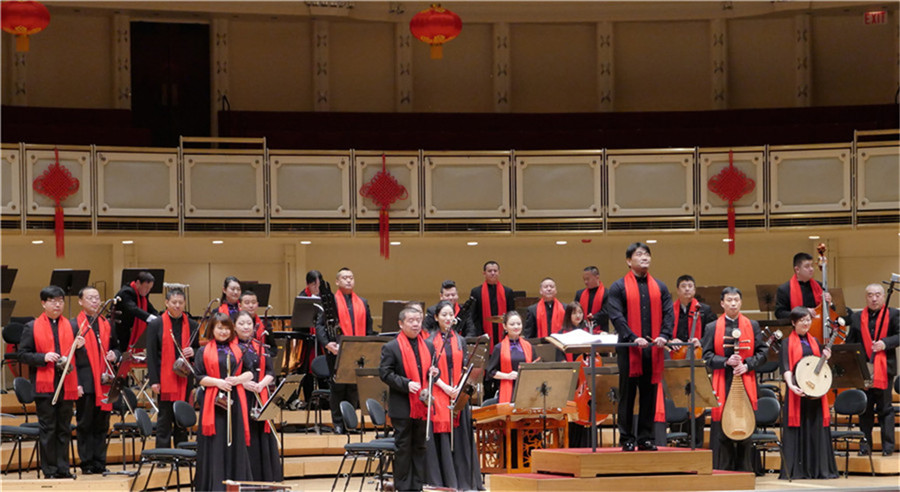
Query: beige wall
761, 63
417, 267
461, 82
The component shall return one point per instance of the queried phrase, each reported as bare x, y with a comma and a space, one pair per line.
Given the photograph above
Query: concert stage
614, 469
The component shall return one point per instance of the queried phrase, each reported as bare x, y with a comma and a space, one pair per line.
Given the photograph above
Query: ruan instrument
738, 418
813, 374
64, 364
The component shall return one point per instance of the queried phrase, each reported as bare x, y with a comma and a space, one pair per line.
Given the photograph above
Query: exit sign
876, 17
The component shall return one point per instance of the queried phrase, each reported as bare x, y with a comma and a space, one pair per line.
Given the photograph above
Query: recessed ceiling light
472, 243
726, 240
395, 243
814, 237
37, 241
128, 241
218, 241
651, 241
562, 243
305, 242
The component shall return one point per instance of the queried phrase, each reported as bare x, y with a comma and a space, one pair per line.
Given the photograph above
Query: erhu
64, 364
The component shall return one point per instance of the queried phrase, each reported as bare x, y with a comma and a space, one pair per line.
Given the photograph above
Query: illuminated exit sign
876, 17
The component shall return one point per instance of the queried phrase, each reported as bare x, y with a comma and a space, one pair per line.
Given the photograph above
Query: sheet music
582, 337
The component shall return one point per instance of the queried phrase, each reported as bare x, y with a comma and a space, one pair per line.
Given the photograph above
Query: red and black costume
544, 319
136, 311
161, 355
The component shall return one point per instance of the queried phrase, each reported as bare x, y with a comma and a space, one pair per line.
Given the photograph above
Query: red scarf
456, 309
306, 293
719, 374
879, 379
172, 386
797, 294
795, 353
558, 313
358, 327
139, 325
95, 356
417, 409
211, 362
506, 385
264, 392
633, 300
229, 309
486, 324
44, 343
442, 400
597, 305
692, 327
260, 329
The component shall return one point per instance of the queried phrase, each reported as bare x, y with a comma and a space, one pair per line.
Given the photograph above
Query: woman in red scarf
216, 460
508, 354
231, 297
806, 438
455, 467
265, 461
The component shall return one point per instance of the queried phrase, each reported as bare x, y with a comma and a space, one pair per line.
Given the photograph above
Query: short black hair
489, 262
144, 277
248, 293
731, 290
594, 270
52, 292
800, 257
312, 276
634, 247
343, 269
175, 291
799, 313
85, 288
447, 284
684, 278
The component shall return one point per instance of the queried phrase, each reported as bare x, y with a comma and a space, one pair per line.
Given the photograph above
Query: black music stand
71, 281
306, 311
159, 276
848, 366
390, 313
686, 389
279, 399
7, 278
370, 385
477, 354
607, 378
6, 310
545, 385
262, 291
765, 296
543, 349
357, 353
711, 295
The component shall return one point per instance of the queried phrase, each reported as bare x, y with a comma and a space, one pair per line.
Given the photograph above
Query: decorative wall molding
121, 40
605, 67
718, 31
320, 66
403, 100
501, 75
803, 61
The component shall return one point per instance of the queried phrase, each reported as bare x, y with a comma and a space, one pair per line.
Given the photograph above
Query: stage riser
884, 465
586, 464
518, 483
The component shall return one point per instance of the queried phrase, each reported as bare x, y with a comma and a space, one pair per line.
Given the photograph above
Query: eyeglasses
56, 300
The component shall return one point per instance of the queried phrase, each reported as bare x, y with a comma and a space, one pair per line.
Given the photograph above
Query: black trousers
166, 428
55, 433
339, 393
409, 462
879, 401
91, 429
629, 388
730, 455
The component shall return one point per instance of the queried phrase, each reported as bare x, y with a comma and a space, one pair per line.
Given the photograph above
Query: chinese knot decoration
383, 189
730, 184
24, 18
435, 26
57, 183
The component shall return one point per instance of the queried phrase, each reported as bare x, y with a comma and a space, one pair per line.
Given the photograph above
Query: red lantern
24, 18
435, 26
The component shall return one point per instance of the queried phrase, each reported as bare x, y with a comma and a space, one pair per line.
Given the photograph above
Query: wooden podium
494, 427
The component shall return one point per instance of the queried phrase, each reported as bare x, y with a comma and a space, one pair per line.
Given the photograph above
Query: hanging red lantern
24, 18
435, 26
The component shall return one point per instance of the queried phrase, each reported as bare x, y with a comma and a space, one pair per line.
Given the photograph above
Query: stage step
538, 482
884, 465
583, 463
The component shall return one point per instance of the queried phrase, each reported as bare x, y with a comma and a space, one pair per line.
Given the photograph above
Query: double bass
583, 391
824, 315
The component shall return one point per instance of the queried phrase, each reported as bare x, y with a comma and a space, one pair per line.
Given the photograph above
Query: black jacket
891, 341
393, 373
130, 311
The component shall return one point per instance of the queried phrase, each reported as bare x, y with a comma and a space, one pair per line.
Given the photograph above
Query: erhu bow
66, 361
182, 366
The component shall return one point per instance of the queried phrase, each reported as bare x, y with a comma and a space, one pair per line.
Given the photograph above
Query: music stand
848, 366
6, 310
677, 377
7, 278
357, 353
524, 302
559, 378
71, 281
280, 396
543, 349
390, 313
711, 295
837, 298
305, 312
765, 296
159, 276
370, 385
261, 290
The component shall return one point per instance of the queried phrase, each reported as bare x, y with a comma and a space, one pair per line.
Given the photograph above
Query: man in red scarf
801, 290
545, 317
313, 280
684, 308
877, 328
161, 355
137, 310
492, 299
405, 363
100, 349
44, 341
640, 308
448, 293
355, 320
593, 299
726, 363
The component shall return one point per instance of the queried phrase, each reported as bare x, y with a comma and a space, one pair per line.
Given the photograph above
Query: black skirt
265, 460
807, 448
458, 469
216, 461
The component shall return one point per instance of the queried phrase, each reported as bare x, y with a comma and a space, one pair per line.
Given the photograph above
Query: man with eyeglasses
44, 340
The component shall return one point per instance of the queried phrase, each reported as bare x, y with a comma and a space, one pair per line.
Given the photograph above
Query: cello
583, 391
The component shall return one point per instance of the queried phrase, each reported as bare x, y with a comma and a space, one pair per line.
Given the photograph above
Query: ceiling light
395, 243
37, 241
128, 241
305, 242
472, 243
218, 241
651, 241
814, 237
562, 243
727, 240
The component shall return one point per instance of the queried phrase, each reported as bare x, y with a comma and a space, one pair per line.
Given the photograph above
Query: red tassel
59, 229
384, 233
730, 229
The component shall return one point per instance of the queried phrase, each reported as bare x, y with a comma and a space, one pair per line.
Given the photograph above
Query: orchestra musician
313, 280
491, 299
265, 462
448, 293
451, 462
222, 446
507, 355
231, 297
91, 412
725, 363
877, 328
545, 317
404, 367
161, 356
640, 309
593, 299
805, 435
355, 320
262, 329
44, 341
137, 310
573, 319
801, 290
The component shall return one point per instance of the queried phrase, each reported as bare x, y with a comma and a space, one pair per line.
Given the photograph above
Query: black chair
677, 416
764, 440
123, 405
490, 401
12, 335
18, 435
764, 392
372, 450
25, 395
186, 418
379, 418
172, 457
850, 402
320, 396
